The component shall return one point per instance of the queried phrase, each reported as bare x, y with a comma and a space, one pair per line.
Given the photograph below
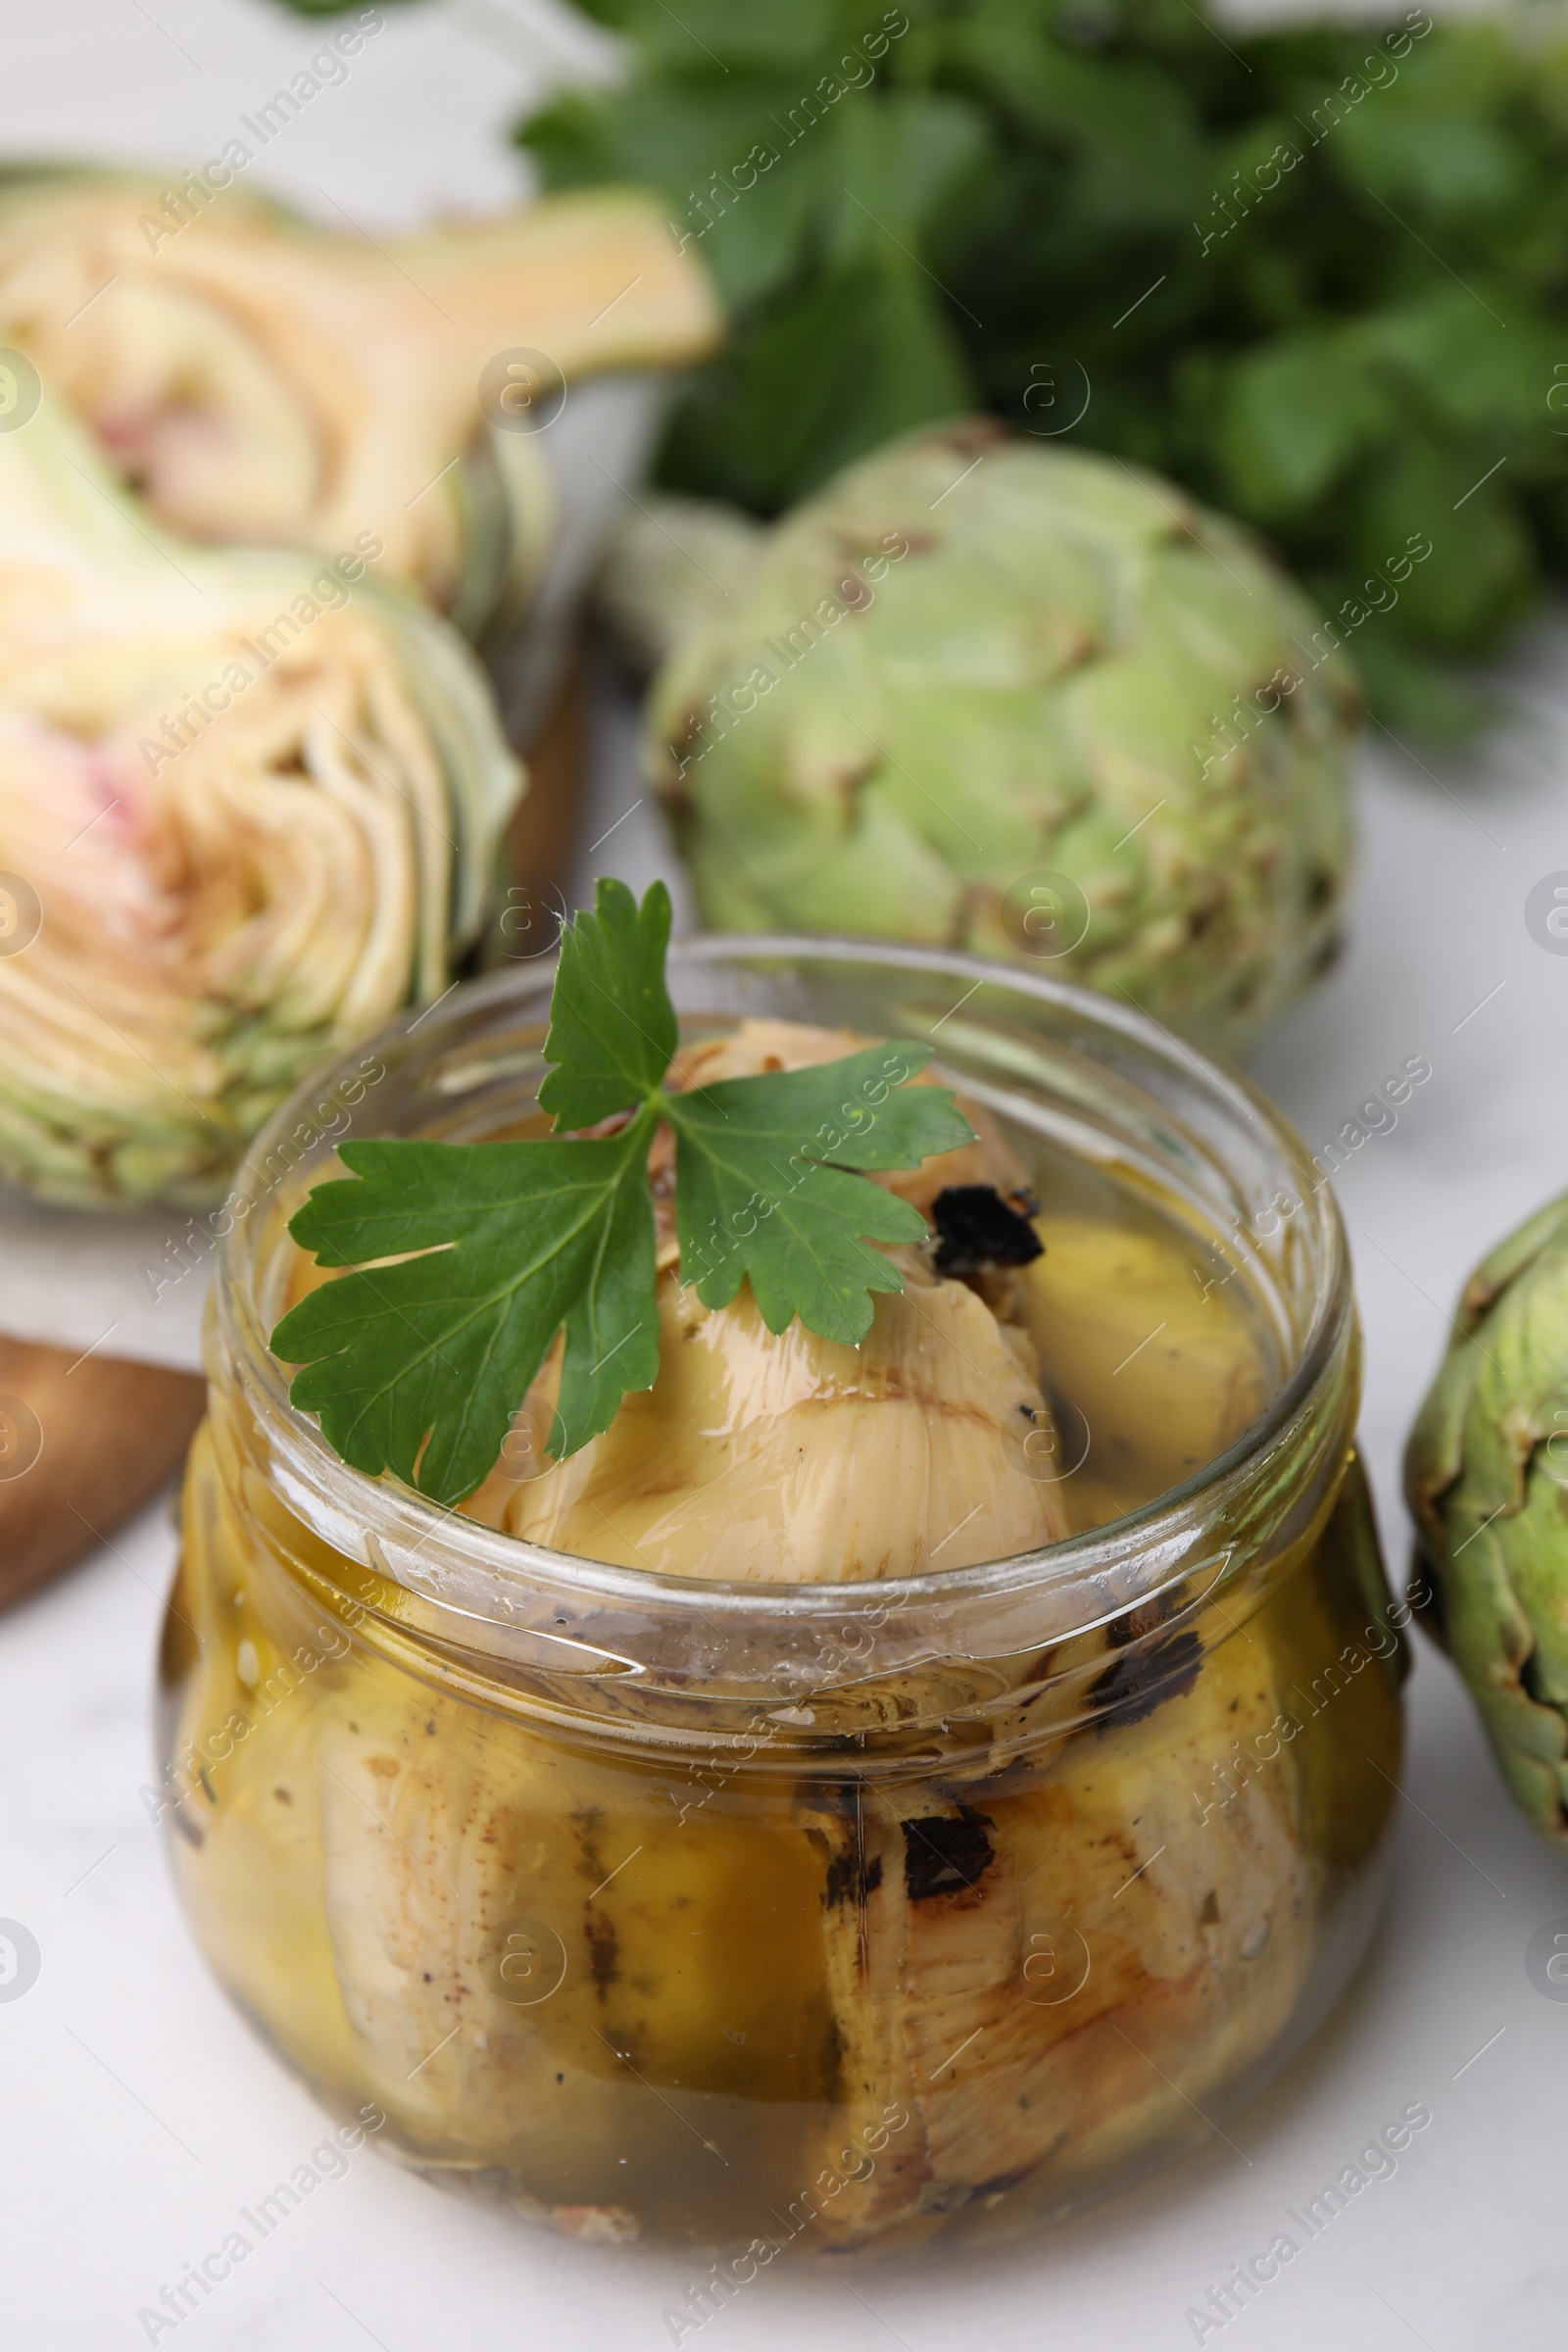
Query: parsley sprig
418, 1366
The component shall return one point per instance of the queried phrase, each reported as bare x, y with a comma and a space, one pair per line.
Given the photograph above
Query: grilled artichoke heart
249, 805
986, 694
259, 380
793, 1459
1005, 1977
1486, 1475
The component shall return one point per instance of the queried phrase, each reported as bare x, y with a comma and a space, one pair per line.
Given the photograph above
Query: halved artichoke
1018, 700
259, 380
249, 804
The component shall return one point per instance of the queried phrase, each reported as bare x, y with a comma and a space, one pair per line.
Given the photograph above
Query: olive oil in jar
992, 1913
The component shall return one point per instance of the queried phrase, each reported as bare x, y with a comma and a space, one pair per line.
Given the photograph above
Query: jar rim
397, 1522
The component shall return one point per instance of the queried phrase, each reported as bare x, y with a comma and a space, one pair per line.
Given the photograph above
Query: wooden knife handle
85, 1442
543, 832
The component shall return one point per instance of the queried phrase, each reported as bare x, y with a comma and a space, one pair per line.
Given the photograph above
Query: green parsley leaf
518, 1239
611, 1024
760, 1187
469, 1258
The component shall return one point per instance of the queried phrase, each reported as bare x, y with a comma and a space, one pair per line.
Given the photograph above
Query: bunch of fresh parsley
418, 1366
1318, 274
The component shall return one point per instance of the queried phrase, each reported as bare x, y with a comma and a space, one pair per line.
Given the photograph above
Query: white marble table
140, 2114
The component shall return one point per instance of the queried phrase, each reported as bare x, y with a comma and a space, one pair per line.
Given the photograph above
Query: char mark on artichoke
604, 1953
1134, 1684
977, 1229
850, 1879
946, 1856
999, 2185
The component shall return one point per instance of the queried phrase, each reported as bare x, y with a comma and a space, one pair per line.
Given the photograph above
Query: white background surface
137, 2113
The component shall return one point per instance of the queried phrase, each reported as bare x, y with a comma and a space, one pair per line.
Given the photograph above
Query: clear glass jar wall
819, 1917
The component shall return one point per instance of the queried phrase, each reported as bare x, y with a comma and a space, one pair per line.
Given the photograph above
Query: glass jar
756, 1917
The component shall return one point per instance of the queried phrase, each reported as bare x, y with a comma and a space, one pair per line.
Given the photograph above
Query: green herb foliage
1320, 274
418, 1366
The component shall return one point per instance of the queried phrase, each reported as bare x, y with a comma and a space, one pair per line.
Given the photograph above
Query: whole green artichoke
1485, 1473
987, 694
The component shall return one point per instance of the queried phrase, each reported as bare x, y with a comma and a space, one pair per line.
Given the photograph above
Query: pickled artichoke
1486, 1477
656, 1926
249, 805
790, 1458
986, 694
947, 1947
259, 380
